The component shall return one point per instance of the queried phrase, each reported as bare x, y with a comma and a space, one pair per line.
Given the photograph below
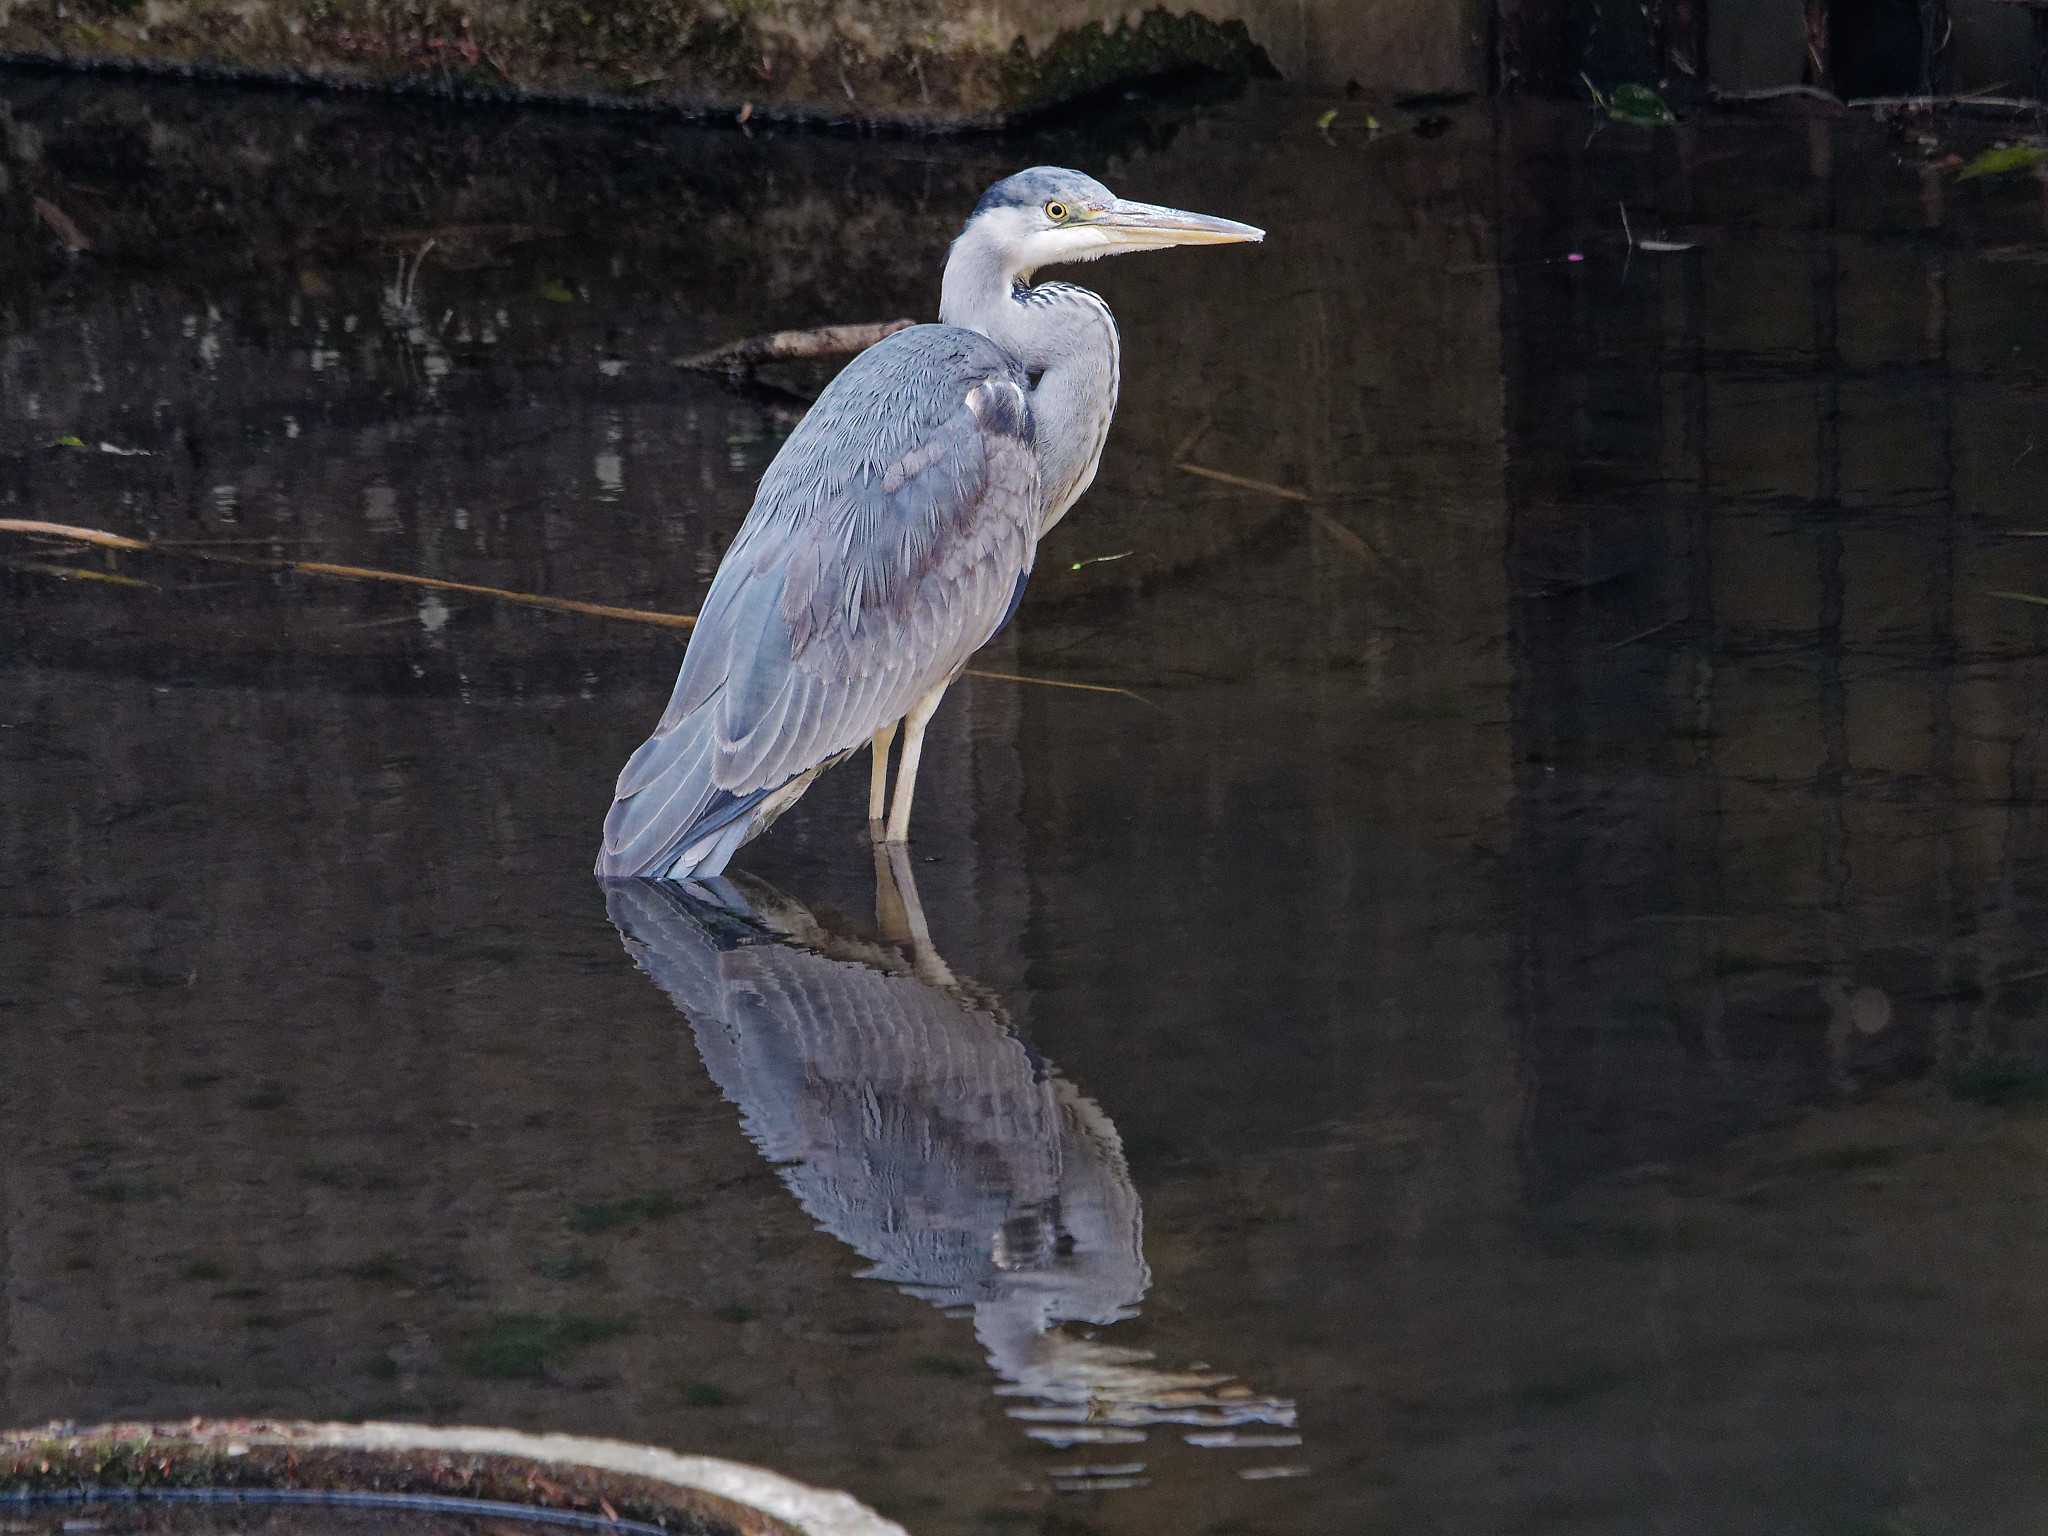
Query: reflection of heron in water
914, 1125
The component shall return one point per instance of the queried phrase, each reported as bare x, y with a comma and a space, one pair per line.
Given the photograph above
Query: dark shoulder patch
1001, 407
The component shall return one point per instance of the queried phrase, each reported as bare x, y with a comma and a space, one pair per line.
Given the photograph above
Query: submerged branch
788, 346
78, 573
105, 540
530, 599
1978, 100
1243, 482
75, 535
1056, 682
1347, 540
1774, 93
101, 538
1936, 103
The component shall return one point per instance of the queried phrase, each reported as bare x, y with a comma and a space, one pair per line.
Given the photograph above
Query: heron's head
1048, 215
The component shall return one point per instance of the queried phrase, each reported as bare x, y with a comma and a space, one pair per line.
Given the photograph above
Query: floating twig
62, 225
1640, 635
1655, 247
106, 540
1059, 682
178, 546
786, 346
101, 538
1243, 482
79, 573
1980, 99
1775, 93
1351, 542
1931, 103
530, 599
97, 536
1195, 434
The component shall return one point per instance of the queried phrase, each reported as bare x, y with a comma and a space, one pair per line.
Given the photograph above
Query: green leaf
1326, 119
70, 440
1640, 105
555, 291
2020, 597
2003, 161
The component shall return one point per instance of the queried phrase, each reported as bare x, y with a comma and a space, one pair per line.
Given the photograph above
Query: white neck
1065, 337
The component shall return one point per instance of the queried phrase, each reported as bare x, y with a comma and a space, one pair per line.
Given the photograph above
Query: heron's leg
878, 781
906, 765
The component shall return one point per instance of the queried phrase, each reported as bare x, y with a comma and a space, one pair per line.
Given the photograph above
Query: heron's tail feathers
671, 821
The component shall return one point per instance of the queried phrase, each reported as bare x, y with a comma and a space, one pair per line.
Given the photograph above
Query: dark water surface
1543, 1002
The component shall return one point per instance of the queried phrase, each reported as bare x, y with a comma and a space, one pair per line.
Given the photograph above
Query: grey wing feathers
884, 548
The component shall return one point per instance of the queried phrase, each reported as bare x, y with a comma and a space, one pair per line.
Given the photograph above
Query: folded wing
888, 542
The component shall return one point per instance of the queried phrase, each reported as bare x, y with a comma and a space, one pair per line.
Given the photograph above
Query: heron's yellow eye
1056, 211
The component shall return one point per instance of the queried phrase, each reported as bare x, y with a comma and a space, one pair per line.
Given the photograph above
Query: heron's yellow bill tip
1149, 224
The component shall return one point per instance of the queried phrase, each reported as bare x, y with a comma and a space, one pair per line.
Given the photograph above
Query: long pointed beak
1147, 224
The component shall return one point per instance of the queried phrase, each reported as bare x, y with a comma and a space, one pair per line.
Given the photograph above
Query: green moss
632, 1211
1094, 57
520, 1346
130, 1465
704, 1394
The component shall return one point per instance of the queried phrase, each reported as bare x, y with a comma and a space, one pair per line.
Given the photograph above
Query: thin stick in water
1243, 482
1057, 682
105, 540
100, 538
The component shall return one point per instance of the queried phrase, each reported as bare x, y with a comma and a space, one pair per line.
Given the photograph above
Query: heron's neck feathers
975, 290
1064, 336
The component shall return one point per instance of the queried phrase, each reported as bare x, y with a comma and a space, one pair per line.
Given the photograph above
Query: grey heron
892, 536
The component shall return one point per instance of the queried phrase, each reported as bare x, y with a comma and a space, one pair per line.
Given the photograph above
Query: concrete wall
921, 61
